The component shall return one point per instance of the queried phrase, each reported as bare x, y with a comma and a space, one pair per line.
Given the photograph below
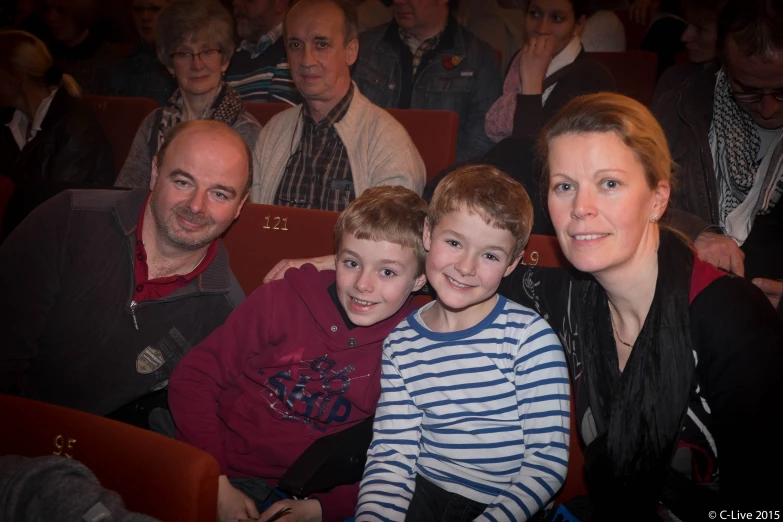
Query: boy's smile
467, 259
374, 278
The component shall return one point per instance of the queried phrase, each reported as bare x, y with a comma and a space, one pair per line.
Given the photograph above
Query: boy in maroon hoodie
300, 359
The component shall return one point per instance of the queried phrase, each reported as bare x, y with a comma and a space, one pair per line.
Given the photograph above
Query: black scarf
638, 413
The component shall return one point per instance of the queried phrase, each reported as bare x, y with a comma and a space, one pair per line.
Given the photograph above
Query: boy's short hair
500, 200
393, 214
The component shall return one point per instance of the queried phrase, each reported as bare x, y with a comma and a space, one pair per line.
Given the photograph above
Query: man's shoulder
371, 37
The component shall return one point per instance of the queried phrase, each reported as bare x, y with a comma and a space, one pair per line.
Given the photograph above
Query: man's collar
338, 111
256, 48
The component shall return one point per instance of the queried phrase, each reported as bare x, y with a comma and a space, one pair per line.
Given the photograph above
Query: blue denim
468, 88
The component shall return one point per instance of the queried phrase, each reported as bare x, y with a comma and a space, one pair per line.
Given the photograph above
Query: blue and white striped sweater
482, 412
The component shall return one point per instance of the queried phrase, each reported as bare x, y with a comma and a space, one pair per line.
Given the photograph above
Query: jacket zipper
133, 314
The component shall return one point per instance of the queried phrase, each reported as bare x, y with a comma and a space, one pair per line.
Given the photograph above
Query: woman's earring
653, 219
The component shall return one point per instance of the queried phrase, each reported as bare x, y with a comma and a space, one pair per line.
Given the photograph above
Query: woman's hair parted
185, 19
501, 201
26, 54
605, 112
386, 213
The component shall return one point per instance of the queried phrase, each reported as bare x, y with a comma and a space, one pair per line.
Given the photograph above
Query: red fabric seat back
7, 187
121, 117
633, 71
265, 234
155, 475
634, 32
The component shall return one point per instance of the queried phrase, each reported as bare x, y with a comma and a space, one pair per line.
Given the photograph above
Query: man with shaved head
105, 291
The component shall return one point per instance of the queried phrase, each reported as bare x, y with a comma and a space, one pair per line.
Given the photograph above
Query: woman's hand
771, 288
232, 503
642, 11
301, 511
278, 271
534, 61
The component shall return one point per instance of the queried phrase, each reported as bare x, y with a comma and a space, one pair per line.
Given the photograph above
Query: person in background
259, 69
325, 152
104, 291
700, 38
501, 28
551, 69
603, 32
725, 127
141, 73
425, 60
79, 49
195, 42
53, 139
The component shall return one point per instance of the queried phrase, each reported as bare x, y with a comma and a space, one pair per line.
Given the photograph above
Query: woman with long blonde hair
53, 140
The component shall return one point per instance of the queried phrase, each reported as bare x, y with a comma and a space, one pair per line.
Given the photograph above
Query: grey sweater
53, 488
137, 170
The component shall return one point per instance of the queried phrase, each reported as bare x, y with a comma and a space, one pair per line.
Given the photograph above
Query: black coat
70, 151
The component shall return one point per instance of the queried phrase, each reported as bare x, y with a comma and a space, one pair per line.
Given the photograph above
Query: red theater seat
7, 187
155, 475
433, 132
634, 32
633, 71
121, 118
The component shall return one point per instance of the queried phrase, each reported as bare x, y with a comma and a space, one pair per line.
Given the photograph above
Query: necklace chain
616, 331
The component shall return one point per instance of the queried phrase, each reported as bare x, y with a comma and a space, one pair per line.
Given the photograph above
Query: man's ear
426, 237
241, 204
514, 263
154, 173
352, 52
419, 282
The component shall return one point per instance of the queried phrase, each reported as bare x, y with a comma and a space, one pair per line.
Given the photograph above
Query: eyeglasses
755, 97
206, 54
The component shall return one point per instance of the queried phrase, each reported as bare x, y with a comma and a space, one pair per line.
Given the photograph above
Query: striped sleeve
543, 404
389, 475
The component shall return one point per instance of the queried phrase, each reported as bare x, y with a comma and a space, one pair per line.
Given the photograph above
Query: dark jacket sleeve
586, 78
739, 342
30, 266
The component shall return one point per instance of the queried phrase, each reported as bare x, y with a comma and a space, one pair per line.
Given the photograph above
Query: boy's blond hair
500, 201
393, 214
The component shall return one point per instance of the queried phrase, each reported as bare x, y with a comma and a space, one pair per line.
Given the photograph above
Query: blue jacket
461, 75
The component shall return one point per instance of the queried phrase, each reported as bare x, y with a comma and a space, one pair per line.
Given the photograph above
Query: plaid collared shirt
318, 174
418, 48
263, 43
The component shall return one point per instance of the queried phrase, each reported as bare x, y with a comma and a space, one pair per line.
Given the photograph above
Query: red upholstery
155, 475
7, 187
433, 132
265, 234
121, 118
634, 32
634, 72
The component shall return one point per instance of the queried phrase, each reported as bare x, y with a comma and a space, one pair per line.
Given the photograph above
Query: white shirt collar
19, 123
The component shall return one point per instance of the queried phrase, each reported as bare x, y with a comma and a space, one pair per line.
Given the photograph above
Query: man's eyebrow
180, 172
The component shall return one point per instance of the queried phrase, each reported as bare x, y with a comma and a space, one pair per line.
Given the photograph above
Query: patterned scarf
735, 144
226, 107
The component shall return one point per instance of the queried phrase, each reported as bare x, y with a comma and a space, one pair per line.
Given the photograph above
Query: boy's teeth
587, 237
363, 303
457, 283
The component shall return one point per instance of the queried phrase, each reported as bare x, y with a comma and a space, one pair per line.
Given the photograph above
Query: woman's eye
611, 184
557, 19
562, 187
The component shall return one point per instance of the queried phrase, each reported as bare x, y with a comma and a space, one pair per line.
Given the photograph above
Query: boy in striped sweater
473, 419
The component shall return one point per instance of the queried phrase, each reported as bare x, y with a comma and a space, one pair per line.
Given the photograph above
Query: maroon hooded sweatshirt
283, 371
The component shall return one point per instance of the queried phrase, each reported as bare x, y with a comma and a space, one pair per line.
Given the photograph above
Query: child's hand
232, 503
301, 511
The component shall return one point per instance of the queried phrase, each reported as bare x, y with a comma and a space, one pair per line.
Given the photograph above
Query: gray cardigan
137, 170
379, 149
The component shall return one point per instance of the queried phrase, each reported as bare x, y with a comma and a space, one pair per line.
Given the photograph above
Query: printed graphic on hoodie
312, 392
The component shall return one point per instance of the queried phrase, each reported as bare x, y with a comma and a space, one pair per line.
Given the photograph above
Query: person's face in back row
553, 19
762, 76
145, 15
319, 57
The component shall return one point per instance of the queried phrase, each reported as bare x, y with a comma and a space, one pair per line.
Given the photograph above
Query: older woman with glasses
194, 41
